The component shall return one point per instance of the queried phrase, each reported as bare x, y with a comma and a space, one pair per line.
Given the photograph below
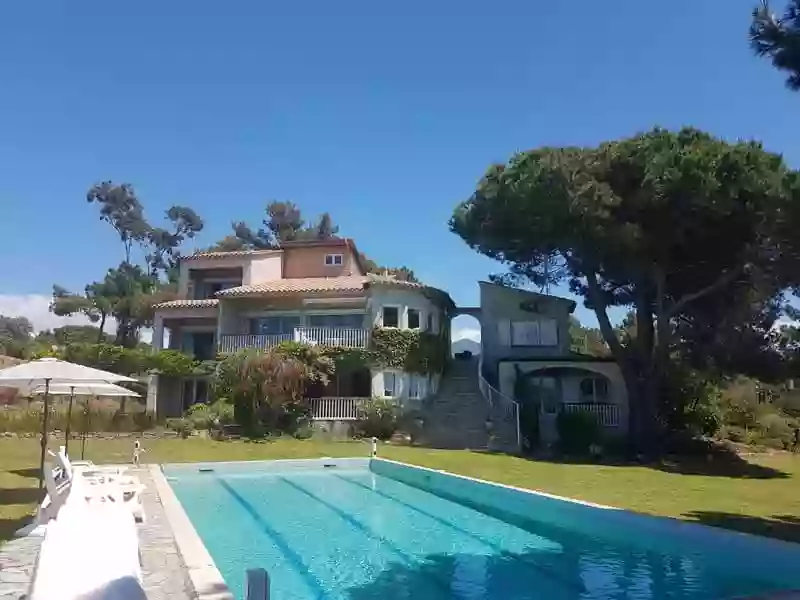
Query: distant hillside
466, 344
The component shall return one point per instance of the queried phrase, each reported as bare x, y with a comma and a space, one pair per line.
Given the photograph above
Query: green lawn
762, 496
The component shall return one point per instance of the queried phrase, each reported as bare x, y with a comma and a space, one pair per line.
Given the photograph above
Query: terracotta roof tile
232, 253
207, 303
297, 286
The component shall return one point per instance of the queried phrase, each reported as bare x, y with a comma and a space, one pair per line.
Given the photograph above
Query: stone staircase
457, 416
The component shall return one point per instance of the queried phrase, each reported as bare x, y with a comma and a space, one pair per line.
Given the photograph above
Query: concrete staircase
456, 416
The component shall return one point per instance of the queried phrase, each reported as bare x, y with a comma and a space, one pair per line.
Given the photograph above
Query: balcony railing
336, 409
607, 415
315, 336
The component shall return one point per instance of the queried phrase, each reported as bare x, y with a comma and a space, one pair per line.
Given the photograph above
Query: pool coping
206, 579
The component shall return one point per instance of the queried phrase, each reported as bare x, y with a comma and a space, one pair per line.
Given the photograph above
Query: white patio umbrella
82, 389
46, 372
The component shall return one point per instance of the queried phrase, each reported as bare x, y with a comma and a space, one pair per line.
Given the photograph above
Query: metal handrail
257, 585
497, 399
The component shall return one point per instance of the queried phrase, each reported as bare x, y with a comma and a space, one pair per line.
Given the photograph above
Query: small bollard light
374, 447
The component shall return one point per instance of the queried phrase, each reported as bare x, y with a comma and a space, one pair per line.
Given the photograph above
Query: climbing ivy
408, 349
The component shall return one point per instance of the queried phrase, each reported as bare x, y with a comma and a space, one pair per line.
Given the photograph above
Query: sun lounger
89, 553
58, 487
86, 467
61, 479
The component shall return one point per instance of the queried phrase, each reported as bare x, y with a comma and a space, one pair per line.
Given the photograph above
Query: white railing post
373, 452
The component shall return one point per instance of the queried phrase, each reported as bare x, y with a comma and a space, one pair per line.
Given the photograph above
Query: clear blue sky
384, 114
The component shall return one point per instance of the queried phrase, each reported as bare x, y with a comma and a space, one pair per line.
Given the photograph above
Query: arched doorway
465, 332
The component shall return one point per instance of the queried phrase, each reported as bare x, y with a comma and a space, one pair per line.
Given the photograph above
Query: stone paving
17, 563
164, 574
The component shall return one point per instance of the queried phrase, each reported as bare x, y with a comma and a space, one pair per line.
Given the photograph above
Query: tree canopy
669, 224
128, 292
778, 38
284, 222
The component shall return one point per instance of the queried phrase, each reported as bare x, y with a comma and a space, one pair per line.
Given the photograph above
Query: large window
414, 318
391, 316
594, 389
351, 321
275, 325
539, 332
389, 384
416, 386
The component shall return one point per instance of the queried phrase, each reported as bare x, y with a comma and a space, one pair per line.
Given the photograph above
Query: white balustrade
336, 409
333, 336
315, 336
607, 415
234, 343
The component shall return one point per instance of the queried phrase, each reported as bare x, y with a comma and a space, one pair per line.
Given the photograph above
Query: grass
760, 496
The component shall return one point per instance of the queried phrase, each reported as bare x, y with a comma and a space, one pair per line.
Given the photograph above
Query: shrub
378, 417
577, 431
776, 427
735, 433
200, 416
183, 427
304, 432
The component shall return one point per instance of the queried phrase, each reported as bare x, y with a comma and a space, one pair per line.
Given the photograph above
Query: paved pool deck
165, 575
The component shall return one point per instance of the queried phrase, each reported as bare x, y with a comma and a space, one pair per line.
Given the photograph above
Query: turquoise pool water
347, 533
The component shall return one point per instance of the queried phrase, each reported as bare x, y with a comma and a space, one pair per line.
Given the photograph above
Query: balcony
314, 336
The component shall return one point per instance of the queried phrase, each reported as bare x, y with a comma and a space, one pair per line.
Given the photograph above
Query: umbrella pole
86, 415
69, 419
44, 430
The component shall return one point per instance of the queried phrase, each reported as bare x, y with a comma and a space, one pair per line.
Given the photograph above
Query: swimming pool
358, 530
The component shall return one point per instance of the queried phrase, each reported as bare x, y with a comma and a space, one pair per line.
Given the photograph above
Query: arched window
594, 389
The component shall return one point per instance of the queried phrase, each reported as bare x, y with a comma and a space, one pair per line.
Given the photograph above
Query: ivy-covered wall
411, 350
406, 349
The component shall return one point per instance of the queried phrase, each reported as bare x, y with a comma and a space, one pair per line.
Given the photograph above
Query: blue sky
384, 115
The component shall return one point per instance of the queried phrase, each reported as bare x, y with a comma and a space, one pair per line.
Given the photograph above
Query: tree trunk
101, 334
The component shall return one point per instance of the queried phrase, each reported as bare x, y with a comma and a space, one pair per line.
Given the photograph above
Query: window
275, 325
416, 386
541, 332
413, 318
389, 384
594, 389
333, 260
525, 333
391, 316
430, 322
351, 321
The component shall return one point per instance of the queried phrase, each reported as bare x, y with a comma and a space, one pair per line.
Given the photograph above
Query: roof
304, 285
232, 253
297, 286
207, 303
531, 294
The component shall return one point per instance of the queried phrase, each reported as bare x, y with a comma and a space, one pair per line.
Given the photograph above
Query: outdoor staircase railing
498, 402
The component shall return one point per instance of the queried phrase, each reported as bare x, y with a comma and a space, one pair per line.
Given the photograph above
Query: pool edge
206, 579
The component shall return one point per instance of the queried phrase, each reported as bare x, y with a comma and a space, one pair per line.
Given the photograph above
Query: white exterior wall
403, 299
261, 268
